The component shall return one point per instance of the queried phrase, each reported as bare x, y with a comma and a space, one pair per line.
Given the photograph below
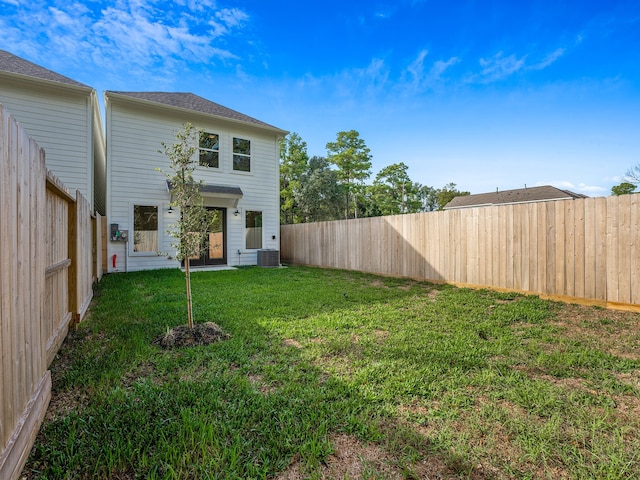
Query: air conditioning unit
268, 258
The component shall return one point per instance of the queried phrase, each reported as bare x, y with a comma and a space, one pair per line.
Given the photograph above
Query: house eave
187, 111
50, 84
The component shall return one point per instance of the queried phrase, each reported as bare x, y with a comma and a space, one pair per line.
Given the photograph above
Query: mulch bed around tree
183, 336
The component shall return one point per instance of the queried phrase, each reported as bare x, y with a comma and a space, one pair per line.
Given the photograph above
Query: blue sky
485, 94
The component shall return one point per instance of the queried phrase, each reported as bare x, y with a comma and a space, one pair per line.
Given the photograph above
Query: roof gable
520, 195
195, 103
19, 66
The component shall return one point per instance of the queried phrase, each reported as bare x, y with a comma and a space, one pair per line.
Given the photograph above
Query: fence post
73, 256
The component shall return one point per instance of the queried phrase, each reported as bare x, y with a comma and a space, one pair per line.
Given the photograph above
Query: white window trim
251, 155
205, 168
244, 221
132, 205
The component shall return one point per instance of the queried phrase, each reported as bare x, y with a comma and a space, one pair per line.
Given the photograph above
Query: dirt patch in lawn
63, 403
356, 460
615, 331
290, 342
183, 336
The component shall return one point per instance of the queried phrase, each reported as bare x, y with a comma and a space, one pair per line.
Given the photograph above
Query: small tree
194, 221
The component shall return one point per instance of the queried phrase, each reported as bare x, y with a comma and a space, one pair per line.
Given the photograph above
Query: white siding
134, 137
61, 123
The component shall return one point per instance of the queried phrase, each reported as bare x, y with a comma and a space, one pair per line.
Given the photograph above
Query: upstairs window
209, 149
241, 155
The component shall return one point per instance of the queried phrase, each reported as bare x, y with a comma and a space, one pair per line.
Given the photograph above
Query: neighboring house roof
12, 64
192, 102
520, 195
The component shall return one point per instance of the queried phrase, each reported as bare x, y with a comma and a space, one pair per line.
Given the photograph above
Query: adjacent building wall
65, 121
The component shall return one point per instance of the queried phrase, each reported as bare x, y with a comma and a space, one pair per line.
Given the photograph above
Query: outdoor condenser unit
268, 258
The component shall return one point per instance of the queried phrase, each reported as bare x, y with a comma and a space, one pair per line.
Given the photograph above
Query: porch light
237, 212
170, 211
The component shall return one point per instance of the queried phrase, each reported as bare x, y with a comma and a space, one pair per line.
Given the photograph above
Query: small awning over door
218, 195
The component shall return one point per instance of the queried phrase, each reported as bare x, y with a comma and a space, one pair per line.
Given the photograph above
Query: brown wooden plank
511, 248
495, 246
561, 244
534, 246
440, 237
624, 249
570, 251
634, 231
590, 239
600, 248
612, 249
580, 247
21, 274
6, 257
525, 244
473, 254
504, 236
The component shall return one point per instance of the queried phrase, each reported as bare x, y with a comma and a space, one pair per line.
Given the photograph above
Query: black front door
215, 247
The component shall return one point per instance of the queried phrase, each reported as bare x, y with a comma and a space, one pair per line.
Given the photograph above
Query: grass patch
333, 374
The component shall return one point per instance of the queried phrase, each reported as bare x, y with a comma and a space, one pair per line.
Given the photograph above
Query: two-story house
238, 161
63, 116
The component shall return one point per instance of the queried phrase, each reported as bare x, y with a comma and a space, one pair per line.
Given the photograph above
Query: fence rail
585, 250
49, 244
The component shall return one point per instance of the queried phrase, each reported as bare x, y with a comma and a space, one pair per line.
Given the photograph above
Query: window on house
145, 228
241, 154
253, 229
209, 149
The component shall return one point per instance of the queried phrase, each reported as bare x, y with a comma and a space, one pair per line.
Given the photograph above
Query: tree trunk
187, 273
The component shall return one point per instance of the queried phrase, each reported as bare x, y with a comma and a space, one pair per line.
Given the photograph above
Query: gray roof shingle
13, 64
190, 101
520, 195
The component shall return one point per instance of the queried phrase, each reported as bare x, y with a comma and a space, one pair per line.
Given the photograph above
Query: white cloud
415, 70
228, 19
418, 76
548, 60
131, 35
441, 66
499, 67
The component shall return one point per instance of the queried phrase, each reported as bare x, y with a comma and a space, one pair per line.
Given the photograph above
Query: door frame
204, 259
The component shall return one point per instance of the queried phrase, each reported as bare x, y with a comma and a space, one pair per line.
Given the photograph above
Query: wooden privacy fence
49, 244
585, 250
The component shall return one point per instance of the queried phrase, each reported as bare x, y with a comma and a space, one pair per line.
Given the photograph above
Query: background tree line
314, 189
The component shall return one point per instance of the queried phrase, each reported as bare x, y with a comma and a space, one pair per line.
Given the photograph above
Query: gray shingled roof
520, 195
13, 64
190, 101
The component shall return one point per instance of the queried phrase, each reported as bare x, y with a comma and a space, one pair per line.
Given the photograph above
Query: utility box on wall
268, 258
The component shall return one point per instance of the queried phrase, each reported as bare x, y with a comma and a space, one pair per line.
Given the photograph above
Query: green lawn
333, 374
